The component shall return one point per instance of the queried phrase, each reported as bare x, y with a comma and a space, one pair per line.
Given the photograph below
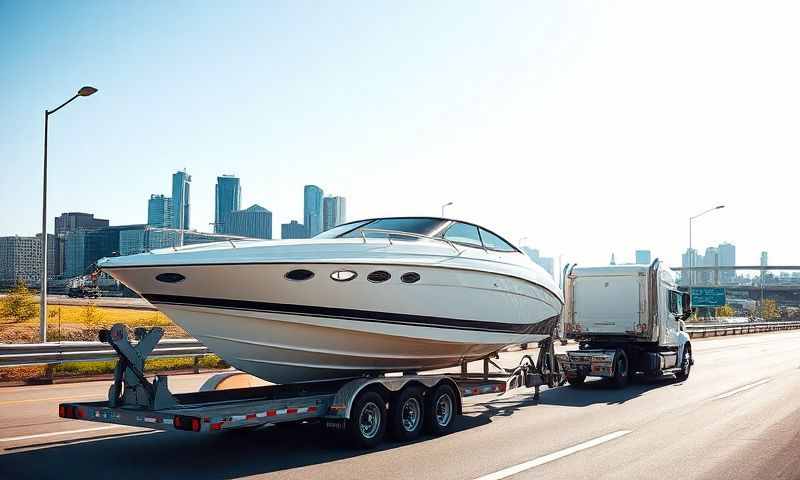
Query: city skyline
555, 98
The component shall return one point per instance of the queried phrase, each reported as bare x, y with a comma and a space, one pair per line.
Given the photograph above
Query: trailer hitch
130, 386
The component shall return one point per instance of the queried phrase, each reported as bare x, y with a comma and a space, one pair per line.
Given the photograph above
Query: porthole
410, 277
299, 275
343, 275
378, 276
170, 277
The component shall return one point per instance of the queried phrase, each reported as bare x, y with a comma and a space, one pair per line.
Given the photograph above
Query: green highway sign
708, 296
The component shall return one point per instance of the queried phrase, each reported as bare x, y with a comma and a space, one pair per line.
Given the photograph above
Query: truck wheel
367, 423
686, 364
440, 410
577, 380
621, 370
407, 414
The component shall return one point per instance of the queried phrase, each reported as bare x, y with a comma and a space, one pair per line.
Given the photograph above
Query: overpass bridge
785, 291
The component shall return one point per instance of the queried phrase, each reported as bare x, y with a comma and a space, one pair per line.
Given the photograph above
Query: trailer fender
346, 395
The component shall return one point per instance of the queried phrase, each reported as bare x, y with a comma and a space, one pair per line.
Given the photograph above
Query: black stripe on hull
545, 327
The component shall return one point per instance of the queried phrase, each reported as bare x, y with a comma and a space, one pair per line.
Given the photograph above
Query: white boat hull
289, 331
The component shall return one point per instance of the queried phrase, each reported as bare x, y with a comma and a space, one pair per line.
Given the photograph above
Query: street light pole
445, 205
83, 92
691, 253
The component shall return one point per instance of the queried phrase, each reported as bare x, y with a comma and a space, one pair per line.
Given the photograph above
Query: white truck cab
627, 319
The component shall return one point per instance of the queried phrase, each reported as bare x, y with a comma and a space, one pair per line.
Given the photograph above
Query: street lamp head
86, 91
719, 206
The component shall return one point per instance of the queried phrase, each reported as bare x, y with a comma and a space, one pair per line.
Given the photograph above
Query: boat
381, 295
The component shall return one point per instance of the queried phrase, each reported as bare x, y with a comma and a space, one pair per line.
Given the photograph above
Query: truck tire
407, 413
621, 370
577, 380
440, 410
367, 423
686, 364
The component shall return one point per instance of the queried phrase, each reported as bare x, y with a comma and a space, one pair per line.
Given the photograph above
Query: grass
90, 315
152, 365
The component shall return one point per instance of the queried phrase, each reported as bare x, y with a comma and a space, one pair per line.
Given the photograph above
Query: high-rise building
312, 210
159, 211
181, 181
227, 197
710, 259
643, 257
333, 212
689, 260
764, 259
544, 262
727, 258
144, 240
70, 221
252, 222
293, 230
20, 259
85, 247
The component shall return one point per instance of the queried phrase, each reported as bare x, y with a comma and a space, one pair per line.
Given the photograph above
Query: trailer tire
576, 380
621, 370
407, 413
440, 410
366, 426
686, 364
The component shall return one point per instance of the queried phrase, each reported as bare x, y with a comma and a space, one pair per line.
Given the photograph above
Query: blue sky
587, 127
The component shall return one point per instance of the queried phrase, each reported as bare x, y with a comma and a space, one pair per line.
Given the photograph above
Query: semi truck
626, 319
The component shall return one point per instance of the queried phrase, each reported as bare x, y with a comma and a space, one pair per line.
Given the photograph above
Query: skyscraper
643, 257
252, 222
727, 258
181, 181
544, 262
333, 212
227, 197
764, 259
70, 221
293, 230
312, 210
159, 211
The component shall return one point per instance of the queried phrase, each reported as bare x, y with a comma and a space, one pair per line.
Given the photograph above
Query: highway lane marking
53, 434
741, 389
9, 402
507, 472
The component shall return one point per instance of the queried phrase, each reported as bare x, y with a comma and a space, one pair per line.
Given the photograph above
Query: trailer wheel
686, 364
621, 369
441, 410
407, 413
367, 423
576, 380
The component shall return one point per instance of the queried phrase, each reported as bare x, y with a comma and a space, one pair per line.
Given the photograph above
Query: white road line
52, 434
507, 472
742, 389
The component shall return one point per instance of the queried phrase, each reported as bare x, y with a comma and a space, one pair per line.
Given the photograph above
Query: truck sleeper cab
627, 319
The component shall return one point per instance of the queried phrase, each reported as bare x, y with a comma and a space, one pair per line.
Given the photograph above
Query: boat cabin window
420, 226
463, 233
493, 242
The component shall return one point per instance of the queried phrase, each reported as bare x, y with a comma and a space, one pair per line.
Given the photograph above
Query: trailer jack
130, 385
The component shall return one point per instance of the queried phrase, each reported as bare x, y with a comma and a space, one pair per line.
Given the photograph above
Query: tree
725, 311
19, 305
768, 310
93, 316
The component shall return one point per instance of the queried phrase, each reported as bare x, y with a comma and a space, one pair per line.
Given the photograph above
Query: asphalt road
736, 417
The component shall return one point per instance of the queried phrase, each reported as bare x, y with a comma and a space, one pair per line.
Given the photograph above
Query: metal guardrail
714, 330
55, 353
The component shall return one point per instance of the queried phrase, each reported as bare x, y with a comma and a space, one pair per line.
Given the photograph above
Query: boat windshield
419, 226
